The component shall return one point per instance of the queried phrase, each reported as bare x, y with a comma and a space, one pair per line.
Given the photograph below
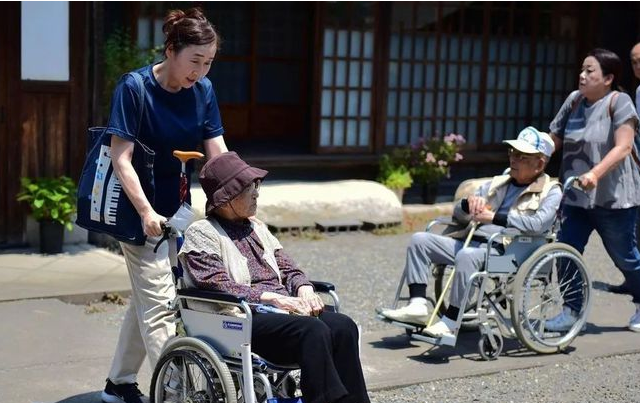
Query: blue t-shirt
513, 191
171, 121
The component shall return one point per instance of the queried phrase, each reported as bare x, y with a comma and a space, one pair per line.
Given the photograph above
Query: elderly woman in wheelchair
504, 219
232, 252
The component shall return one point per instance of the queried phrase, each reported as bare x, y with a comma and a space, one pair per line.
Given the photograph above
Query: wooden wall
45, 130
11, 219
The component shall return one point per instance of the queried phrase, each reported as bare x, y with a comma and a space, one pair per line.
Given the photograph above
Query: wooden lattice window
347, 77
484, 70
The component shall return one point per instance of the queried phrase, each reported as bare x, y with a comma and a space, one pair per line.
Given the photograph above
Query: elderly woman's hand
307, 293
291, 304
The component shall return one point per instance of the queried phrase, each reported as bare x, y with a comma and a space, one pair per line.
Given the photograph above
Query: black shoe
619, 289
123, 393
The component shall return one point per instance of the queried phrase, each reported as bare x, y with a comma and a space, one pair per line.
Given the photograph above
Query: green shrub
398, 180
50, 198
394, 174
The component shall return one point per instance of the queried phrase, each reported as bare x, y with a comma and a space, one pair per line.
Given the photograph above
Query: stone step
338, 225
290, 227
372, 224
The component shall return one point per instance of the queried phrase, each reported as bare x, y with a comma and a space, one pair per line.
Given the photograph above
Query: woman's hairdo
609, 64
190, 27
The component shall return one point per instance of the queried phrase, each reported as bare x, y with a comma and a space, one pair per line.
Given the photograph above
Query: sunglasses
520, 156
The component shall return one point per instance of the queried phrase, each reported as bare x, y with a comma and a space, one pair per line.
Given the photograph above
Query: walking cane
472, 228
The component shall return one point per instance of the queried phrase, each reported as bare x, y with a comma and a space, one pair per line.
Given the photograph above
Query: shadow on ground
91, 397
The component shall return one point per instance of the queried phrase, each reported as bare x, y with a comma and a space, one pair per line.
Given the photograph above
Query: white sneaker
634, 322
417, 314
441, 328
563, 321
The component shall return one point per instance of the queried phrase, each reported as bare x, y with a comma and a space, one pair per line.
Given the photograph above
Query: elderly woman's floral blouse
208, 272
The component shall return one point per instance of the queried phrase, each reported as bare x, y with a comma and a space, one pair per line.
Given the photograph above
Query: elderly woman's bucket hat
224, 177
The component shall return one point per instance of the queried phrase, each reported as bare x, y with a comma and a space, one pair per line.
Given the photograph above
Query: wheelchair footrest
447, 340
405, 325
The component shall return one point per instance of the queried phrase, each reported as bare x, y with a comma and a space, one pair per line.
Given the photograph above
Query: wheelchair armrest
444, 220
211, 295
511, 232
323, 286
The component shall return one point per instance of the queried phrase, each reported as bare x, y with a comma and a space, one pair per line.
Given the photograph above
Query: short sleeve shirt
171, 121
587, 133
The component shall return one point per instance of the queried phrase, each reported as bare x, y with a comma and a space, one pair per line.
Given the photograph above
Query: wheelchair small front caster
486, 349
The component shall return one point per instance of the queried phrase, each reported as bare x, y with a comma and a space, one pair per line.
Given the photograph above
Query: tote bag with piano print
103, 206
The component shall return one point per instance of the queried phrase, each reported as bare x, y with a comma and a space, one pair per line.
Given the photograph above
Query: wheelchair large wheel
190, 371
554, 275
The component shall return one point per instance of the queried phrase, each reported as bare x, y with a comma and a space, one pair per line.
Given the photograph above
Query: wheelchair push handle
185, 156
572, 182
166, 234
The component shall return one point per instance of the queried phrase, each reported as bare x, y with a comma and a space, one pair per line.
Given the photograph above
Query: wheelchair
210, 359
514, 293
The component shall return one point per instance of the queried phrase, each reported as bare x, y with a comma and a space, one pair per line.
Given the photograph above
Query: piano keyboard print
114, 189
104, 163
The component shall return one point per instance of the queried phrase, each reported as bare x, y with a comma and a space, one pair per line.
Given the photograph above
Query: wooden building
318, 88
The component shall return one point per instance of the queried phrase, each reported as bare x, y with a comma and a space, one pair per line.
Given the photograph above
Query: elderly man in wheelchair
268, 304
525, 201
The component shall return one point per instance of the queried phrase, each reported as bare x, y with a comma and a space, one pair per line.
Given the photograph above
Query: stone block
299, 203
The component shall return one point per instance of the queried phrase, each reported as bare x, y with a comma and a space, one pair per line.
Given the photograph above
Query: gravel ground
366, 268
608, 379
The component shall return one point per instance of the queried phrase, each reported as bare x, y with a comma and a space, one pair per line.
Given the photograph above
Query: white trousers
148, 323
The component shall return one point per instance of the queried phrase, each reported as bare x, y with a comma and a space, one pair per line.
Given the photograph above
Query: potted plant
394, 173
53, 204
430, 160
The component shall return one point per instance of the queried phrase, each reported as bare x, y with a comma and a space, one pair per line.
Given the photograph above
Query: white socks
418, 300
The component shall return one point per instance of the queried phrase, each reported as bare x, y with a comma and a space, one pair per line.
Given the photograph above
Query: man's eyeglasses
519, 156
255, 185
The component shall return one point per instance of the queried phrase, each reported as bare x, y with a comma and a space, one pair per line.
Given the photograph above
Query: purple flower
430, 158
458, 157
450, 138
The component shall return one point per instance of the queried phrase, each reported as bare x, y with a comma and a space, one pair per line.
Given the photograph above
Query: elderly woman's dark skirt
325, 348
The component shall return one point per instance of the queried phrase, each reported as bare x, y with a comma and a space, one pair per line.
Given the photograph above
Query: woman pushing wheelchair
526, 199
231, 251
